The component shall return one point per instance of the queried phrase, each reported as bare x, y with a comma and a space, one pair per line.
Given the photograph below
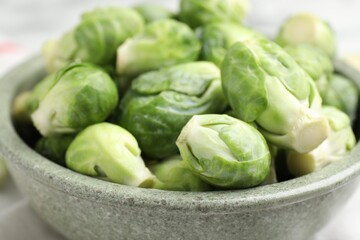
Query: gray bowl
82, 207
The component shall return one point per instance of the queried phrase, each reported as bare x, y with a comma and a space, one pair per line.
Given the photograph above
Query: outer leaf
343, 94
313, 60
276, 62
244, 86
217, 38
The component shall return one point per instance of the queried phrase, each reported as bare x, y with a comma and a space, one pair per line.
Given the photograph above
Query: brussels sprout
151, 12
95, 39
343, 94
199, 12
80, 95
272, 177
160, 103
224, 151
314, 61
217, 38
173, 174
163, 43
54, 148
20, 111
107, 150
307, 28
340, 141
264, 84
3, 172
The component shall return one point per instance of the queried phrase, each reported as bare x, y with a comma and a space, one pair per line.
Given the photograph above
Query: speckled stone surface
81, 207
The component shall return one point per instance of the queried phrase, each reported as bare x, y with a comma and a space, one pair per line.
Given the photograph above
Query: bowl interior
18, 154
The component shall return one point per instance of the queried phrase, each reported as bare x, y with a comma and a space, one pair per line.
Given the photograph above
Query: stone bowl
81, 207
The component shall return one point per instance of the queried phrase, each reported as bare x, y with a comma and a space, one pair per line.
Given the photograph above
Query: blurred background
26, 24
30, 22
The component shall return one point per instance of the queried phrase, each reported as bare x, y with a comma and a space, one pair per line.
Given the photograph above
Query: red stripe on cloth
9, 47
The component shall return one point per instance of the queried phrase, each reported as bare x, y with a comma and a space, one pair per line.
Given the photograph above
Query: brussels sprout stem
120, 171
293, 124
147, 183
41, 122
123, 56
307, 133
329, 151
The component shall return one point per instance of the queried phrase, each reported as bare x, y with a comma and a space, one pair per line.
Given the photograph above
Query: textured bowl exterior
81, 207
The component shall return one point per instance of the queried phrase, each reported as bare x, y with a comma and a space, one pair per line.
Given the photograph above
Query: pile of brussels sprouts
192, 101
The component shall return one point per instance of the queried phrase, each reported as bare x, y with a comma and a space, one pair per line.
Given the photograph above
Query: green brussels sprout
217, 38
107, 150
264, 84
173, 174
54, 148
340, 141
95, 39
199, 12
160, 103
3, 172
307, 28
343, 94
314, 61
163, 43
151, 12
224, 151
81, 94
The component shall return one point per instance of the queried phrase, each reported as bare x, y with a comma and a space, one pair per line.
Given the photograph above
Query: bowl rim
19, 156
